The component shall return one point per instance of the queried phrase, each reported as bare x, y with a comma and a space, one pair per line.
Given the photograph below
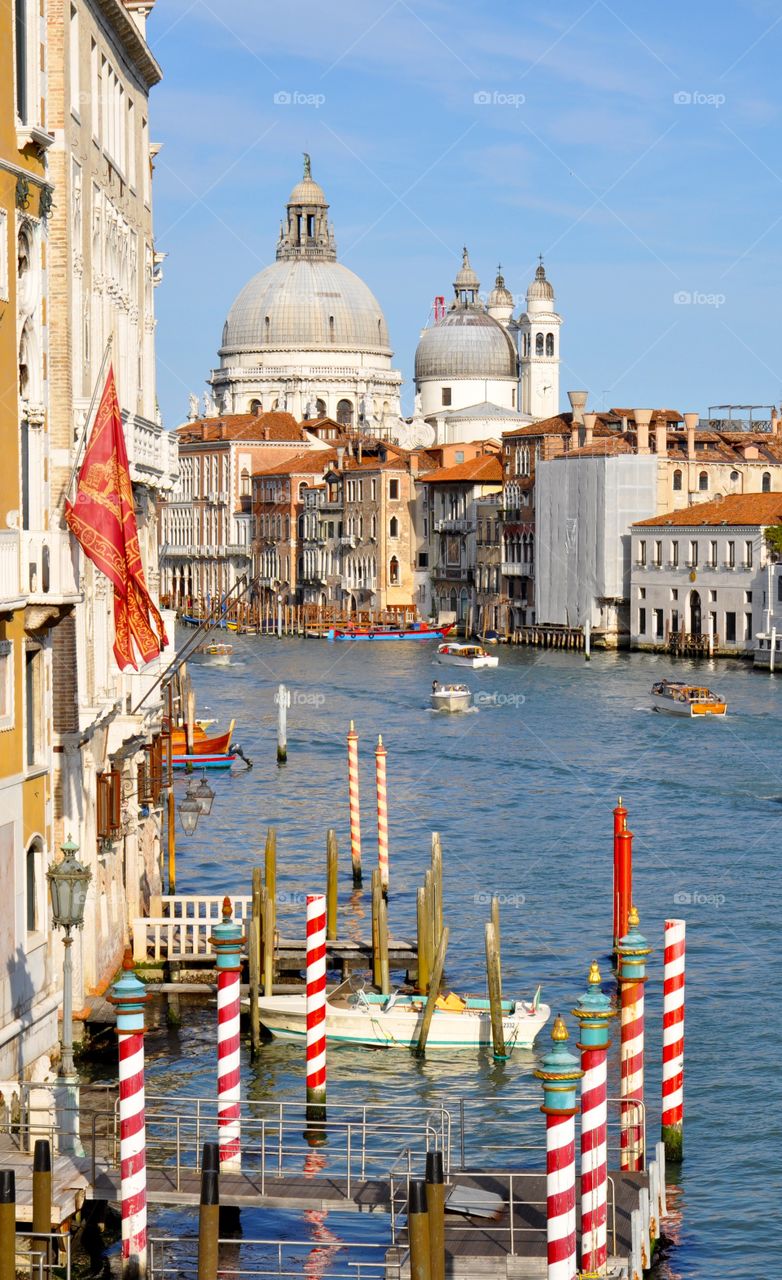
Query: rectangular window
713, 597
675, 554
732, 555
4, 278
730, 628
748, 597
131, 161
642, 552
33, 690
94, 91
393, 490
642, 622
6, 685
642, 593
459, 455
20, 17
713, 554
73, 57
674, 620
373, 490
659, 625
658, 553
694, 554
31, 886
146, 175
747, 626
423, 560
748, 555
446, 395
674, 593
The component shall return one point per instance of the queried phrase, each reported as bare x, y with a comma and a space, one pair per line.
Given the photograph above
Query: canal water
521, 790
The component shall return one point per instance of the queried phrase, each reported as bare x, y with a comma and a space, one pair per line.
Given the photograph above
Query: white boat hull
451, 700
475, 664
692, 710
399, 1027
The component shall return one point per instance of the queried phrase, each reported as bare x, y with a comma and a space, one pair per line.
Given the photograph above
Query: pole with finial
129, 996
227, 940
631, 976
559, 1072
355, 808
593, 1011
316, 1008
623, 871
382, 814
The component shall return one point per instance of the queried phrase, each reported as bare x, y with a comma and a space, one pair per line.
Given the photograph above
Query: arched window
393, 572
345, 413
255, 406
677, 480
32, 880
734, 477
266, 328
766, 482
331, 328
549, 344
453, 599
320, 408
538, 344
245, 483
703, 481
393, 527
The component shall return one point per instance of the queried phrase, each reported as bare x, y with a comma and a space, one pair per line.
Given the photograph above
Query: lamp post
189, 810
68, 883
204, 795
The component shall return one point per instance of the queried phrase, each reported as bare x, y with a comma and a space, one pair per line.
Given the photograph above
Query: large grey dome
466, 343
307, 304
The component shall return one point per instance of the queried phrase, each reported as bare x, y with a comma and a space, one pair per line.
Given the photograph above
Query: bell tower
306, 232
539, 349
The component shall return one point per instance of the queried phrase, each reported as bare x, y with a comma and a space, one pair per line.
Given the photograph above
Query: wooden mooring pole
254, 961
495, 992
268, 943
377, 895
332, 858
283, 702
423, 942
171, 841
209, 1213
434, 991
382, 935
437, 882
435, 1207
418, 1232
7, 1224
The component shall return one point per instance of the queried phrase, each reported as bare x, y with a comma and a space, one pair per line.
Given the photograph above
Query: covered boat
414, 631
218, 651
466, 655
450, 697
201, 744
680, 699
394, 1021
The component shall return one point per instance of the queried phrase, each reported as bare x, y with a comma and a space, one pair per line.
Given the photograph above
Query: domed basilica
307, 335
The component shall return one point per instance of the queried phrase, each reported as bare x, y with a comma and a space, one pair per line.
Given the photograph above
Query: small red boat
201, 745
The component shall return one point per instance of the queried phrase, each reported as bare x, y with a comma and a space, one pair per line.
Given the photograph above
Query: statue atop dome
307, 166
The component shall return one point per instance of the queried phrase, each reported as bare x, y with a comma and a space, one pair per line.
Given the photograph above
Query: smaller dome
466, 343
500, 296
466, 277
540, 288
308, 191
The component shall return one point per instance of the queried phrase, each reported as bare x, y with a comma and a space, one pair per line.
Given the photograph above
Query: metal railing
322, 1255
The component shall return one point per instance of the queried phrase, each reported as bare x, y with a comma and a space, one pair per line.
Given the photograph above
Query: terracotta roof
670, 415
313, 462
561, 425
242, 426
604, 447
486, 469
735, 509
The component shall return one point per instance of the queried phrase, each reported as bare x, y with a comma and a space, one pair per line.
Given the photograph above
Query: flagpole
82, 439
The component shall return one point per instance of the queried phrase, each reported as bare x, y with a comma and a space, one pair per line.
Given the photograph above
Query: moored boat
450, 697
394, 1021
206, 760
466, 655
201, 744
415, 631
680, 699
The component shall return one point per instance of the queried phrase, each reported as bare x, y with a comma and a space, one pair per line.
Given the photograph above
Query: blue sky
635, 146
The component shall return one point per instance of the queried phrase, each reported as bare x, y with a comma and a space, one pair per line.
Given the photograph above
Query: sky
636, 146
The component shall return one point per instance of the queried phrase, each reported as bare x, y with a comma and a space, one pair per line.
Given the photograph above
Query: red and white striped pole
673, 1039
316, 1006
560, 1073
130, 996
355, 809
382, 814
593, 1012
227, 941
631, 976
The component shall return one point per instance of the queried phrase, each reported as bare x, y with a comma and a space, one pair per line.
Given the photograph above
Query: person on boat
435, 686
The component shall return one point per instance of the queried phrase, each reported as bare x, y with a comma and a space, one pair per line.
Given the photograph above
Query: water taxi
394, 1021
220, 653
381, 631
450, 697
680, 699
466, 655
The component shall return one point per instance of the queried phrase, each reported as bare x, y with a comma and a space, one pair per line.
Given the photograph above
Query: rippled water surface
522, 791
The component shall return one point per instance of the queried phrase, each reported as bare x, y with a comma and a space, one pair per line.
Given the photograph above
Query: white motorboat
394, 1021
466, 655
680, 699
450, 697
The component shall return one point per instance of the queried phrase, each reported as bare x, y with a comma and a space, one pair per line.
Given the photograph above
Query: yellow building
29, 988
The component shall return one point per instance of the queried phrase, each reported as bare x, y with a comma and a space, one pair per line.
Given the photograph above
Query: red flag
103, 520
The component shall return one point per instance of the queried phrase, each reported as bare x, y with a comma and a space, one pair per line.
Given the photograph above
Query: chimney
661, 437
359, 452
258, 410
774, 421
575, 435
589, 427
578, 401
624, 424
340, 456
265, 431
642, 419
691, 421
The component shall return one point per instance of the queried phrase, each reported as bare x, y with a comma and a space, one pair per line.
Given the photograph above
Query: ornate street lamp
68, 883
204, 795
189, 810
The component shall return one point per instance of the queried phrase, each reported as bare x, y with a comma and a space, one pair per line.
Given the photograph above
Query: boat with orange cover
201, 744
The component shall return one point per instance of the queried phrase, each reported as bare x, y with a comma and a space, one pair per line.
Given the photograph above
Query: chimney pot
589, 427
578, 401
691, 421
661, 439
642, 419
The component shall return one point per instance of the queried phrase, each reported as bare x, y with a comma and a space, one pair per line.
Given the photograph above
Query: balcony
514, 569
153, 453
348, 540
10, 571
453, 526
236, 549
50, 567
